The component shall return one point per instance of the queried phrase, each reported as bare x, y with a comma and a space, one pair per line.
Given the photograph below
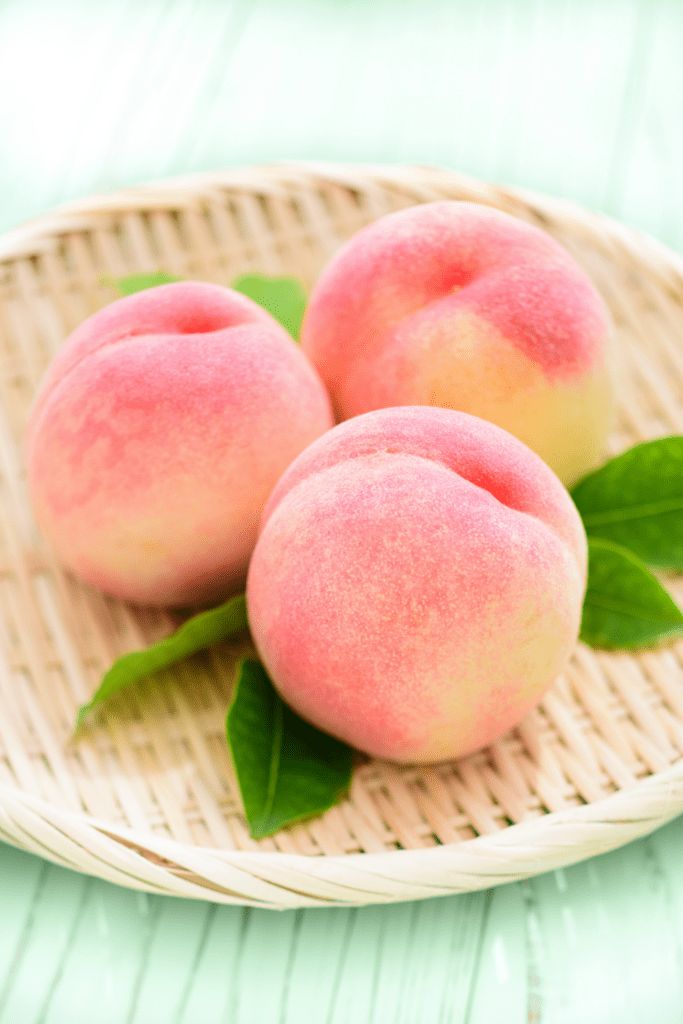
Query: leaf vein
606, 603
275, 759
625, 513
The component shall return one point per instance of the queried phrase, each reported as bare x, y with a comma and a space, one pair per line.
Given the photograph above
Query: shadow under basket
147, 798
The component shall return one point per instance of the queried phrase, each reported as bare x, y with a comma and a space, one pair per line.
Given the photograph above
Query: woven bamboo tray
147, 798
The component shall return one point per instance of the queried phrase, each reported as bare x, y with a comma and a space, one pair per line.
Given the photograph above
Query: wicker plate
147, 798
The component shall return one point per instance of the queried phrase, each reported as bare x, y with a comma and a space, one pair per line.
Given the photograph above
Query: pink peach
417, 583
157, 435
459, 305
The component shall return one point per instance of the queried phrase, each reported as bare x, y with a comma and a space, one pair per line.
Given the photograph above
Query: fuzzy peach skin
458, 305
157, 435
417, 583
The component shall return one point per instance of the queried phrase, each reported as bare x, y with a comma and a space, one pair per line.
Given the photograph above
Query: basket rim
553, 840
276, 879
182, 191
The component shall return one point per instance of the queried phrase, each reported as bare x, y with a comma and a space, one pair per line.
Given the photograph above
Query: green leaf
283, 297
636, 500
625, 606
286, 769
139, 282
200, 631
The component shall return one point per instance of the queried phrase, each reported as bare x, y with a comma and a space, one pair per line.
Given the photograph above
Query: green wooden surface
582, 98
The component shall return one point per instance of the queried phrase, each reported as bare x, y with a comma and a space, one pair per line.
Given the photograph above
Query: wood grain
599, 942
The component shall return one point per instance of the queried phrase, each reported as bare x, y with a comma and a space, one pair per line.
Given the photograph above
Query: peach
458, 305
157, 435
417, 583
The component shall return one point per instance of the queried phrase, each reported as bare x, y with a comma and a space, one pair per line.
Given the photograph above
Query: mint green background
582, 98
